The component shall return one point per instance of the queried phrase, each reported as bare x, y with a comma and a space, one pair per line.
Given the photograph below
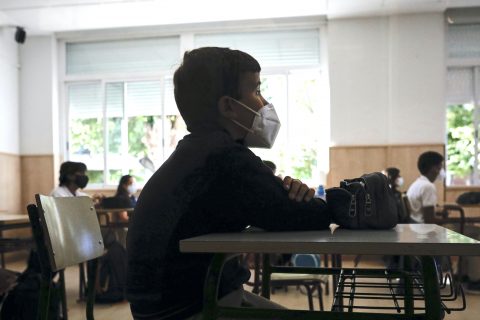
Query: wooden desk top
6, 218
404, 239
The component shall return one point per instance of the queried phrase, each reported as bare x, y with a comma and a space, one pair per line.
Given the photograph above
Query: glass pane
115, 114
299, 142
144, 146
274, 90
460, 144
114, 176
305, 126
86, 128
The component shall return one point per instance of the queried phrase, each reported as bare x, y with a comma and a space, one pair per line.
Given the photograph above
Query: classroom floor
293, 298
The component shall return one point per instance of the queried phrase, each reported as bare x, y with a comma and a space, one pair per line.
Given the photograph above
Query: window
122, 117
463, 104
119, 126
293, 81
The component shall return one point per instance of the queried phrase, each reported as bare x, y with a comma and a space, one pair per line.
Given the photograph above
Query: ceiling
48, 16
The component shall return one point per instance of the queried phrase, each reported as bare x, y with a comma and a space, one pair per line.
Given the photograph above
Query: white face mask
399, 181
132, 189
264, 128
441, 175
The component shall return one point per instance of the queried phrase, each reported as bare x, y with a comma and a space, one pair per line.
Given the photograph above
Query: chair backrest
406, 205
70, 228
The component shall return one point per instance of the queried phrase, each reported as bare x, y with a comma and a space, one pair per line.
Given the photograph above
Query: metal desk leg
256, 281
210, 307
433, 309
337, 263
266, 273
409, 301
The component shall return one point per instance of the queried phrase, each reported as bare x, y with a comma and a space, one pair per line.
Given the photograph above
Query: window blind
463, 41
122, 56
270, 48
85, 100
460, 85
114, 99
143, 98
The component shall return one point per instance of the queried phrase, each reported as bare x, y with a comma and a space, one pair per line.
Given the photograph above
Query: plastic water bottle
320, 192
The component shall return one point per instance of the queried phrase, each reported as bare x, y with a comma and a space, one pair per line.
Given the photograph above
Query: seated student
72, 178
123, 198
211, 183
422, 194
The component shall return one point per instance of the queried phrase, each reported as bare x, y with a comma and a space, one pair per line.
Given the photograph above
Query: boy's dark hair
427, 160
392, 173
70, 167
205, 75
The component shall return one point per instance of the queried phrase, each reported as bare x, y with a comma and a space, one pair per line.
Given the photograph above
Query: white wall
38, 96
387, 80
9, 107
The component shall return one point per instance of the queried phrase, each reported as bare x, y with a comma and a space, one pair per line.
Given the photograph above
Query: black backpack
363, 203
21, 302
111, 280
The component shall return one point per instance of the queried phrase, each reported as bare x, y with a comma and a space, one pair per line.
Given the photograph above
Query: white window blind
270, 48
463, 41
170, 104
114, 100
122, 56
143, 98
85, 100
460, 85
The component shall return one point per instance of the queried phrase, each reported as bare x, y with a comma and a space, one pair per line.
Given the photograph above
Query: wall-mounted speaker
20, 35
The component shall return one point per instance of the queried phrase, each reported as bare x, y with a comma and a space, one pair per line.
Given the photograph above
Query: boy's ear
225, 107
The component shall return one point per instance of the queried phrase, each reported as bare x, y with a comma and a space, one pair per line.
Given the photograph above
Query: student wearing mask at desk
127, 189
211, 183
72, 178
123, 198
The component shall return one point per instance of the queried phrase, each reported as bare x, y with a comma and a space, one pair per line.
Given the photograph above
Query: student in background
123, 198
395, 180
422, 194
72, 178
127, 189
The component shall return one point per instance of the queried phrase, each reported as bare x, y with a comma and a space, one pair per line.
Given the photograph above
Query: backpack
21, 302
111, 280
472, 197
363, 203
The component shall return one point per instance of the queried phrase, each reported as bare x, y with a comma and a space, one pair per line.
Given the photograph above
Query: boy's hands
297, 190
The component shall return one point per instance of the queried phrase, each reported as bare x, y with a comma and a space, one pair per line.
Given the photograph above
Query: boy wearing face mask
422, 194
211, 183
72, 178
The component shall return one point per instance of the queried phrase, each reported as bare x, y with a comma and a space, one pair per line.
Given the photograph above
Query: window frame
186, 34
474, 64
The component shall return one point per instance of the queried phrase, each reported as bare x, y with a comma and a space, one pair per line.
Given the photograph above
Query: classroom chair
66, 232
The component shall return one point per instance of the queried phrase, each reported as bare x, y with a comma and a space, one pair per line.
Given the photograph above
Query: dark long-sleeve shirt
209, 184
